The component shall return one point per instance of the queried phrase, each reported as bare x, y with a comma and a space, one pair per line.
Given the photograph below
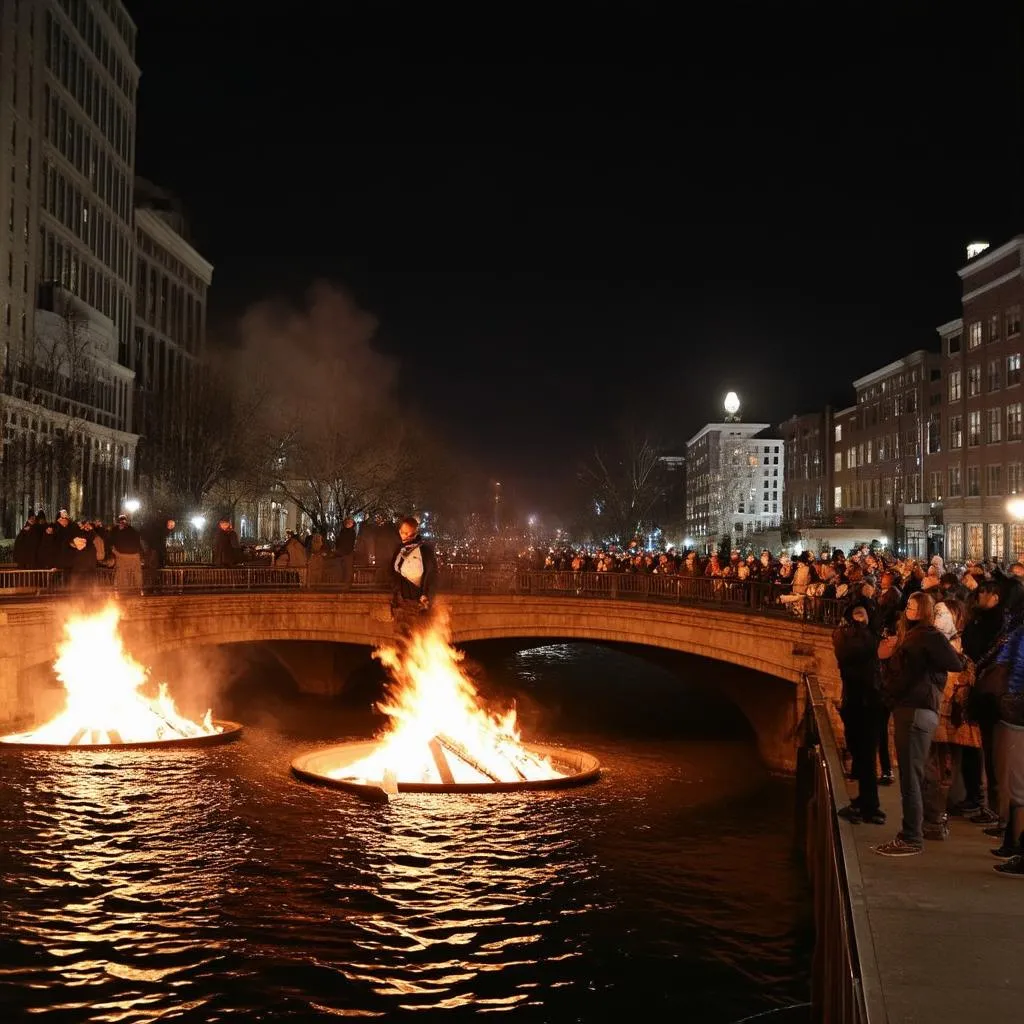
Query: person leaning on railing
915, 664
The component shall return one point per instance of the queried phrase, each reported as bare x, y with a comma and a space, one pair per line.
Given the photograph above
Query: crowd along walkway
940, 935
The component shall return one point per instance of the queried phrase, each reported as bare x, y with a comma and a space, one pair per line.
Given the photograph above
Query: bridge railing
842, 938
326, 574
733, 594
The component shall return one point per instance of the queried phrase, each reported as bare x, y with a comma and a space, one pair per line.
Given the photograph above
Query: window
954, 386
839, 431
995, 426
837, 497
974, 481
1016, 542
956, 432
974, 334
1013, 422
1013, 369
954, 345
975, 541
935, 431
1015, 478
955, 543
837, 461
955, 482
993, 327
973, 380
995, 541
995, 377
974, 428
935, 486
994, 481
1013, 321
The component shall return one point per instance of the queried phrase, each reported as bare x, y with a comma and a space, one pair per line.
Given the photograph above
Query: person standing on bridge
915, 666
413, 575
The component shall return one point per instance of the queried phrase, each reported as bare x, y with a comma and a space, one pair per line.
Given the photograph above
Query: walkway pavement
947, 930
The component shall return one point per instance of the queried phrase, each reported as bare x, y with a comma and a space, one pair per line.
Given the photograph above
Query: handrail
747, 596
842, 938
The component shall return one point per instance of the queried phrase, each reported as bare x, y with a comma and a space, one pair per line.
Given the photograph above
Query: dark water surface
210, 886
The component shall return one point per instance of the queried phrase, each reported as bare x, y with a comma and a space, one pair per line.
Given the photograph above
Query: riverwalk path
940, 935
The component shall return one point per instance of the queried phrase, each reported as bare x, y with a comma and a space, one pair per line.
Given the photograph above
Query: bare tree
622, 485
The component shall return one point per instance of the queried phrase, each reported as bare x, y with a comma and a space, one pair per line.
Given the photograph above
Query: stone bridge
783, 649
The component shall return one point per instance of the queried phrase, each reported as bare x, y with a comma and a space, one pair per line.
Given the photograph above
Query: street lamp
732, 406
1015, 506
132, 506
198, 522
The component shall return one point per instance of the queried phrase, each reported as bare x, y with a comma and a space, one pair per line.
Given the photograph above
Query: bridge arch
774, 646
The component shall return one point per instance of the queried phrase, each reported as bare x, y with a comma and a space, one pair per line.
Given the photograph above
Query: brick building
977, 466
878, 455
808, 489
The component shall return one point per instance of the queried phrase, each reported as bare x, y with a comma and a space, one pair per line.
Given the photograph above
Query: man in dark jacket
856, 646
345, 549
915, 668
26, 545
413, 575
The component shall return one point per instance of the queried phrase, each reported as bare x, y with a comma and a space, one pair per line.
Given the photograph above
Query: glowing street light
198, 522
1015, 506
732, 406
132, 505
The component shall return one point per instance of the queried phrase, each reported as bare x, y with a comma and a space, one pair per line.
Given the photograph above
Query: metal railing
325, 574
837, 987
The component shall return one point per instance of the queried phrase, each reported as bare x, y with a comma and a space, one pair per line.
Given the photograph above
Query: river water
212, 886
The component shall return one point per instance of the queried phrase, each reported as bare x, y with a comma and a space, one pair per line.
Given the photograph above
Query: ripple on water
216, 887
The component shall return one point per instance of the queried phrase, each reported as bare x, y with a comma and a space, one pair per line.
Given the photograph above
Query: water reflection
212, 886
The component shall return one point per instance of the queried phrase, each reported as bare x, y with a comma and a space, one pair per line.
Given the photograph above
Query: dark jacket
983, 629
915, 675
26, 547
414, 559
856, 647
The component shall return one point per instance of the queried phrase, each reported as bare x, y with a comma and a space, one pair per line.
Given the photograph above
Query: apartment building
976, 467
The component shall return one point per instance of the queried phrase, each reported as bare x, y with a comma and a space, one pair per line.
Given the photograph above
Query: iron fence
837, 985
478, 578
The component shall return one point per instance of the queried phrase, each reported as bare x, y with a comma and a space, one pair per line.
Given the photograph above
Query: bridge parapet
784, 647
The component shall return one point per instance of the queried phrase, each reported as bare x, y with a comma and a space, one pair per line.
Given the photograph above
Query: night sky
554, 249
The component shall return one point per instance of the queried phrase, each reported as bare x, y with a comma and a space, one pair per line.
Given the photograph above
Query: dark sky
553, 248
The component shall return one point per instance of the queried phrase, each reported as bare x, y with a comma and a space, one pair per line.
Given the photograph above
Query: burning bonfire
439, 735
104, 702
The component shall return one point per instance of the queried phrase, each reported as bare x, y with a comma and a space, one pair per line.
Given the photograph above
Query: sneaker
875, 818
1005, 851
966, 809
887, 779
850, 814
936, 832
995, 831
899, 847
1013, 868
984, 817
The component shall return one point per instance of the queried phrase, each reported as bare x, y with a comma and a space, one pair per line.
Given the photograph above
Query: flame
439, 731
103, 702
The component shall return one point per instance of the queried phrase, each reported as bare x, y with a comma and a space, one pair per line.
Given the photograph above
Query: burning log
464, 755
441, 762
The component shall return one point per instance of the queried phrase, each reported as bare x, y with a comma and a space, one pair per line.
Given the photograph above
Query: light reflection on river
208, 886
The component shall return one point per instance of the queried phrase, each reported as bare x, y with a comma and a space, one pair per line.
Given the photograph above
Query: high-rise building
734, 484
68, 82
976, 465
171, 282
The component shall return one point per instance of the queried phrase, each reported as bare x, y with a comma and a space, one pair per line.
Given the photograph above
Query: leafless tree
622, 485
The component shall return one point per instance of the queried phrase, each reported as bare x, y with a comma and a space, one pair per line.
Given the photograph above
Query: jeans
914, 728
942, 767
